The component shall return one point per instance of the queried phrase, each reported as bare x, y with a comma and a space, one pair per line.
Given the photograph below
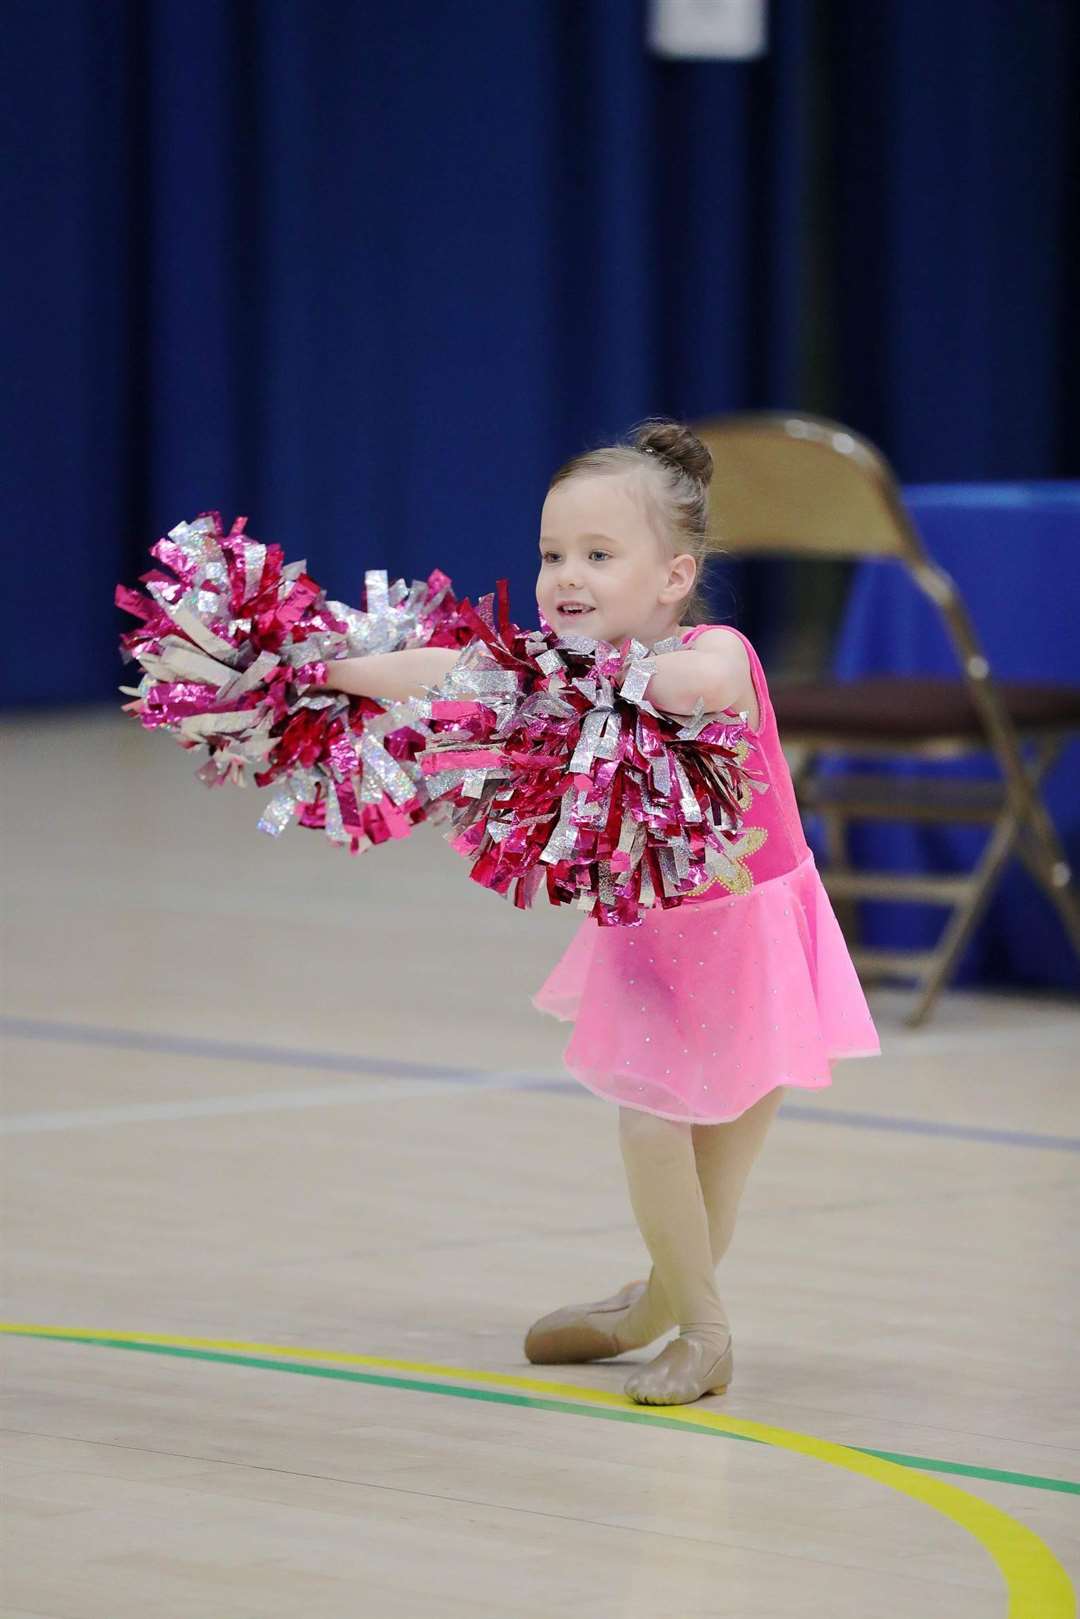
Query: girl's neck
664, 635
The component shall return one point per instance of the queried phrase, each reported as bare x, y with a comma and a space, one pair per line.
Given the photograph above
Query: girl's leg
723, 1155
640, 1311
670, 1210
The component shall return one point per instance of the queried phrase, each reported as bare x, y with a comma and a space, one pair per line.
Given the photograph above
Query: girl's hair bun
675, 443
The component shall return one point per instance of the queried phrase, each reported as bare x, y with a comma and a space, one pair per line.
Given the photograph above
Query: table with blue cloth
1013, 550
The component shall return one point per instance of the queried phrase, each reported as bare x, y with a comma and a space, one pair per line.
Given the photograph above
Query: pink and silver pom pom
561, 775
234, 645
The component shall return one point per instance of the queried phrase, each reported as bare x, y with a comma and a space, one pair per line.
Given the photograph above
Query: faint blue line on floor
86, 1034
194, 1045
929, 1127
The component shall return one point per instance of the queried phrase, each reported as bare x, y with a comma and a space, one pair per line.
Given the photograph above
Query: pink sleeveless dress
701, 1009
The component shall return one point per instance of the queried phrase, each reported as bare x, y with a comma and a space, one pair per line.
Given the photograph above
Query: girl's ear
681, 574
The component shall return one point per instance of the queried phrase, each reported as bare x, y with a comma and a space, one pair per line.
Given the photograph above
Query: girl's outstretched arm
720, 675
392, 676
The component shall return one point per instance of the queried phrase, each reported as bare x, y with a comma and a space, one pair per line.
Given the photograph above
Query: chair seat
907, 707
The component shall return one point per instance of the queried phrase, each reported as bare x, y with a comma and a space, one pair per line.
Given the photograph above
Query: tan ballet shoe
580, 1332
682, 1372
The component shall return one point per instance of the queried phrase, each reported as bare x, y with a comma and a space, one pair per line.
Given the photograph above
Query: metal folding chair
802, 485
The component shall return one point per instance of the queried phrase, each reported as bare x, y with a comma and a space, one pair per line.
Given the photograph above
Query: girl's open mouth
574, 612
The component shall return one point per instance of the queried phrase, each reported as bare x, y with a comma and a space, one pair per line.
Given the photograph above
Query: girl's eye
549, 556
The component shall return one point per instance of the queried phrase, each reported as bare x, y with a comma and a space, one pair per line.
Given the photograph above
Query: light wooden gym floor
261, 1094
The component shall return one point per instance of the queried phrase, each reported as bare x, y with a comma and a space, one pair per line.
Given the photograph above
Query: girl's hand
135, 707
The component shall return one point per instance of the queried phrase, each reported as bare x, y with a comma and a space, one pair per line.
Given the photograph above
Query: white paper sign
732, 30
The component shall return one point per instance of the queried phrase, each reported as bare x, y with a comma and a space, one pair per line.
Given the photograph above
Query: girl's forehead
585, 501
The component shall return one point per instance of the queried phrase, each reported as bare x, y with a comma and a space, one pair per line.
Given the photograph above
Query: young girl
694, 1021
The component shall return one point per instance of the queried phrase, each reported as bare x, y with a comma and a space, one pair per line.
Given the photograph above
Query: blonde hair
675, 471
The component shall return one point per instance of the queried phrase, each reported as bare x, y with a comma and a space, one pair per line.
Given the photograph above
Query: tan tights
685, 1182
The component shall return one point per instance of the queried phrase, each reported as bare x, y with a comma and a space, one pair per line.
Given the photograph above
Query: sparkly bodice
772, 841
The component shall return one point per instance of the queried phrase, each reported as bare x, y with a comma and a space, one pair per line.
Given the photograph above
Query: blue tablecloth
1014, 551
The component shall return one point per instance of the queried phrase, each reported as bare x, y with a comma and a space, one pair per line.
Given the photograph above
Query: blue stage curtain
369, 273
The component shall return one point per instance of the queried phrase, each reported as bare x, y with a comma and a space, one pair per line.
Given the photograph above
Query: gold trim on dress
736, 877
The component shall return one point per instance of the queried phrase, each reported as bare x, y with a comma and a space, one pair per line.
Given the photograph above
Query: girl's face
599, 554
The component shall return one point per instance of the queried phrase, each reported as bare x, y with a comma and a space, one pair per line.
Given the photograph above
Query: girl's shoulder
730, 643
714, 635
741, 663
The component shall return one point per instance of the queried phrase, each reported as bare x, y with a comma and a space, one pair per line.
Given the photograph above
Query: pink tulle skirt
701, 1009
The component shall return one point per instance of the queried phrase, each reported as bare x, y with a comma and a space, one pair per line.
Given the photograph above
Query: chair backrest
784, 482
787, 483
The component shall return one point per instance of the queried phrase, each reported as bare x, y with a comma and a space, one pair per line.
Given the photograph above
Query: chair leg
1041, 850
1038, 846
961, 924
1062, 895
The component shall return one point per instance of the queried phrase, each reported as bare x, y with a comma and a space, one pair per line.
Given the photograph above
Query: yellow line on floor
1037, 1584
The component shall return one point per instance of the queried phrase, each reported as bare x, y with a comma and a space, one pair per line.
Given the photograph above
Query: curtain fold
368, 274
